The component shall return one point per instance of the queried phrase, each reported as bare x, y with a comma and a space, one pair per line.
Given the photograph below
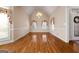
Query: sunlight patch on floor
44, 38
34, 38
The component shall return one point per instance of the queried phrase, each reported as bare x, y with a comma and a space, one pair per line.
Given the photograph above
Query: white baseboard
66, 41
6, 42
10, 41
20, 36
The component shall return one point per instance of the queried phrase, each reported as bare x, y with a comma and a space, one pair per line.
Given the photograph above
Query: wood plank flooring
35, 43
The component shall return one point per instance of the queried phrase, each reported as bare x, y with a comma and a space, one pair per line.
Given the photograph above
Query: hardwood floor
38, 43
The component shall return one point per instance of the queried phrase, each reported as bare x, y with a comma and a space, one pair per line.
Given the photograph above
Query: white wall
60, 20
21, 23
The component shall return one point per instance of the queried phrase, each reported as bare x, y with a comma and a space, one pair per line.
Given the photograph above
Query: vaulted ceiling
30, 9
47, 9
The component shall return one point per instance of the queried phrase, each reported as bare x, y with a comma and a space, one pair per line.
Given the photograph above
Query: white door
4, 27
74, 27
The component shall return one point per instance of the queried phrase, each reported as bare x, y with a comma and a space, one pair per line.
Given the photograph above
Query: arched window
44, 25
34, 25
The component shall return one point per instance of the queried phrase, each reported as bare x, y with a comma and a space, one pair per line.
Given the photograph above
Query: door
76, 27
74, 24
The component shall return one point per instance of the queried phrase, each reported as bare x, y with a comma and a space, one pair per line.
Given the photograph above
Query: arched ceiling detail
46, 9
39, 15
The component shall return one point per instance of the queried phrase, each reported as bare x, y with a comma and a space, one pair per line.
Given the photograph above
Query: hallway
39, 42
37, 29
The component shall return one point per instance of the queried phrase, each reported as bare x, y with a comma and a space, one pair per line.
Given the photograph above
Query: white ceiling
5, 7
48, 9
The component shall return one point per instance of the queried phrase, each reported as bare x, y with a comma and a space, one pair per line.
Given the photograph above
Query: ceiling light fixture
39, 14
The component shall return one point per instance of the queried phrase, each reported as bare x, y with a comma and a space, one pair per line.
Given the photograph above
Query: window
3, 26
34, 25
44, 25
